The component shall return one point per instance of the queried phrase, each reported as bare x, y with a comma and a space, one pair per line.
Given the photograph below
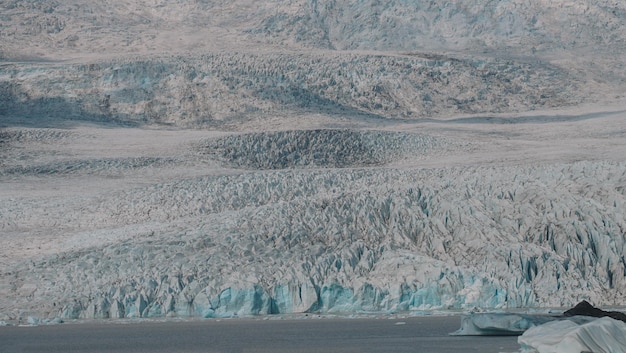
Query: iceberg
506, 323
509, 324
583, 328
499, 324
603, 335
371, 157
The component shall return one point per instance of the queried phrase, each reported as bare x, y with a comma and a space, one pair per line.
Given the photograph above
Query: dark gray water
416, 334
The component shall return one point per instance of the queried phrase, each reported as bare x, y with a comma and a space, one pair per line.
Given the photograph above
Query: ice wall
334, 240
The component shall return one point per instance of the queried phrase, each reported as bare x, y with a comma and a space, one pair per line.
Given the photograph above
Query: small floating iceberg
603, 335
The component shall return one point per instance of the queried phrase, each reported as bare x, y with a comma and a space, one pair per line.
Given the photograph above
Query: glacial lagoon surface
268, 334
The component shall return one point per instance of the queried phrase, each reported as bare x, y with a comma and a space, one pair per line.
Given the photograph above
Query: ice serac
604, 335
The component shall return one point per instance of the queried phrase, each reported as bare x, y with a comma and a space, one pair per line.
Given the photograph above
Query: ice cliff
334, 240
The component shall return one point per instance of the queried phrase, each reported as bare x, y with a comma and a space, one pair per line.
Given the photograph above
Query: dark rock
586, 309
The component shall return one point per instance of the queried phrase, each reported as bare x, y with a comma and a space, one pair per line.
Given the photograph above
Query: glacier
221, 159
332, 241
551, 333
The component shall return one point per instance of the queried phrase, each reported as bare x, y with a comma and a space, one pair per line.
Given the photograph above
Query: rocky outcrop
585, 309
